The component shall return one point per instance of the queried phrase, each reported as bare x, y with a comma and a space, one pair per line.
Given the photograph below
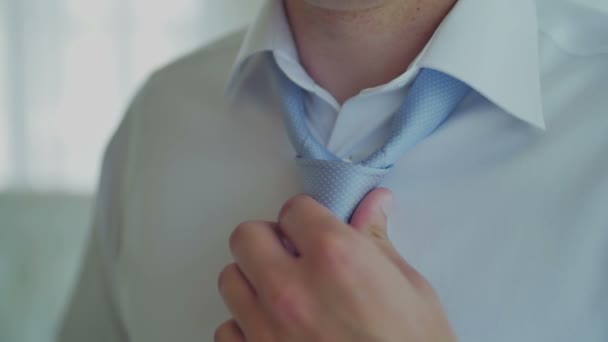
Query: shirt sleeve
93, 312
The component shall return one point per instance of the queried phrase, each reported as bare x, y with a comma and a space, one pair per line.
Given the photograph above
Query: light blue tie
341, 185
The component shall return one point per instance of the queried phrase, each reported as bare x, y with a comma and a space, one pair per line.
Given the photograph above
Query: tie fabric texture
340, 185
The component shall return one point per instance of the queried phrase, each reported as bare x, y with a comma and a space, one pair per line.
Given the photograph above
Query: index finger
259, 253
305, 222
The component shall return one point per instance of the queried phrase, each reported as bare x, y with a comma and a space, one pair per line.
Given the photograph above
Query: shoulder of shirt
577, 27
194, 82
204, 68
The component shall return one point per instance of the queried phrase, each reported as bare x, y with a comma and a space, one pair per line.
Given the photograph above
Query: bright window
69, 67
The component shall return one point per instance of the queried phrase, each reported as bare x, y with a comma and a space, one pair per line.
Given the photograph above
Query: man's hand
336, 282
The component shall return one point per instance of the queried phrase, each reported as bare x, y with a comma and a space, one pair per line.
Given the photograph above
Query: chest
509, 225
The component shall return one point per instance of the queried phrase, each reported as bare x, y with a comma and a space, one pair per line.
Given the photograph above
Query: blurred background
68, 69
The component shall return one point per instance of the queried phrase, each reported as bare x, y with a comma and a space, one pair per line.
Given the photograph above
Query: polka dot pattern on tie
337, 184
429, 103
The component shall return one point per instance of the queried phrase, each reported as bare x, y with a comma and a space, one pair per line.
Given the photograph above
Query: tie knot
339, 185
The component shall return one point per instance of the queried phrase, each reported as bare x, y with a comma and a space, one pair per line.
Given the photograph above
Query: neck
346, 51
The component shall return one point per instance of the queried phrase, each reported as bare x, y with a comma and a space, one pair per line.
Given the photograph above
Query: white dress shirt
504, 209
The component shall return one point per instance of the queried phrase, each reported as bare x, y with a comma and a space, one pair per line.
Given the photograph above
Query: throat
347, 51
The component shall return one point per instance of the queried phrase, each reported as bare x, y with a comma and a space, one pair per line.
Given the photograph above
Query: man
499, 218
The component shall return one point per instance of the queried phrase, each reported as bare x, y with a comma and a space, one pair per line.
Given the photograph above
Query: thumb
371, 215
371, 218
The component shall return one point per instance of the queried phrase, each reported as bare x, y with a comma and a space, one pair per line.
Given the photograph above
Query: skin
343, 283
352, 49
346, 5
333, 281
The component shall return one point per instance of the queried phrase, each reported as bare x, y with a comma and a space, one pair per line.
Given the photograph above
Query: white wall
67, 70
69, 67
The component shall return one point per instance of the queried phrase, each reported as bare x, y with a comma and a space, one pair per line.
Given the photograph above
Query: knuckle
334, 251
225, 275
288, 303
239, 234
378, 232
293, 204
222, 332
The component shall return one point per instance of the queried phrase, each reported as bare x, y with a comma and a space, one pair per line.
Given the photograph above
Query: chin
346, 5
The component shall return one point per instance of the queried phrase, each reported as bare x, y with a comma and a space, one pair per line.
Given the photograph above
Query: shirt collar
492, 45
269, 32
